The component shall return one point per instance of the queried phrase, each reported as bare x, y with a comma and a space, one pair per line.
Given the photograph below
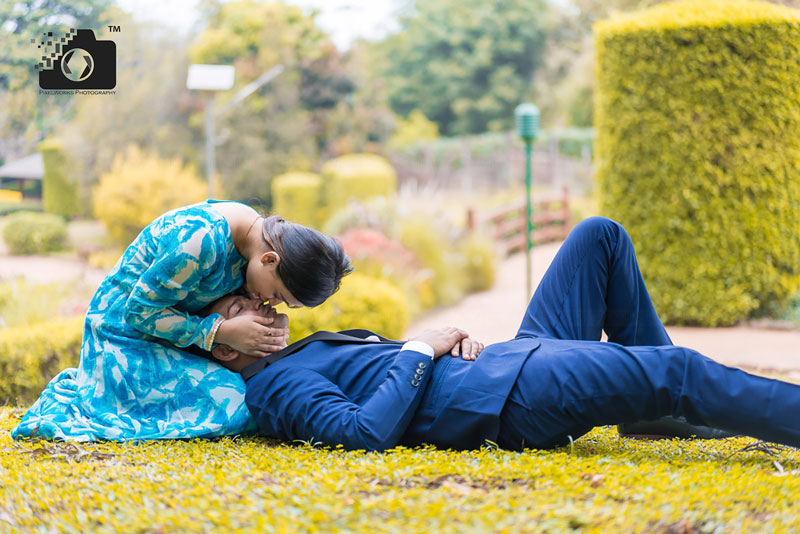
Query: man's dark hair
312, 264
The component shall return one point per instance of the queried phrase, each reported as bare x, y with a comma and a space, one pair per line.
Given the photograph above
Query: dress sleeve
168, 281
297, 403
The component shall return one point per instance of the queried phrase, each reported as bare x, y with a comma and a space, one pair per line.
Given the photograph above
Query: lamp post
527, 120
220, 78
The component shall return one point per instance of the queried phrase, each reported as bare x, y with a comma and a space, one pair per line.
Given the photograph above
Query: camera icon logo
77, 61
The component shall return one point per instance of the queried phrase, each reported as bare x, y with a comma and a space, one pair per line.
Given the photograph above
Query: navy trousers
574, 382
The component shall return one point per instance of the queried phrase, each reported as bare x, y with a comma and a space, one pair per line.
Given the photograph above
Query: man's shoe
671, 427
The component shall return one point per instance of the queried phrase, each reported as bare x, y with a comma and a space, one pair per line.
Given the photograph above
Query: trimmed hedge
362, 302
31, 355
59, 193
296, 197
26, 232
357, 176
698, 152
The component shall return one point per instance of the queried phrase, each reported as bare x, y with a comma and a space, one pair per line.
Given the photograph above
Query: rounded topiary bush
140, 187
357, 176
698, 152
26, 232
296, 197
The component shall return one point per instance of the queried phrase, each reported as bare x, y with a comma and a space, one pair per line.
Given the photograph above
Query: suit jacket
343, 389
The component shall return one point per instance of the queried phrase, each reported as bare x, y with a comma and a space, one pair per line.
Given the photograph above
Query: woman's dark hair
312, 264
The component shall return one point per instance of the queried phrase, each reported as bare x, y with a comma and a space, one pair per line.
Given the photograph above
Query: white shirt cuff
418, 346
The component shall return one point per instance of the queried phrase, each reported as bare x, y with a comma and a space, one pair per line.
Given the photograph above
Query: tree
28, 116
465, 63
284, 125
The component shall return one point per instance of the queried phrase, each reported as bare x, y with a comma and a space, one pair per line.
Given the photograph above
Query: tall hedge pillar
59, 193
698, 152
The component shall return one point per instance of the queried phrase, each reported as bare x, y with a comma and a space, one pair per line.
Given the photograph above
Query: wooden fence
505, 225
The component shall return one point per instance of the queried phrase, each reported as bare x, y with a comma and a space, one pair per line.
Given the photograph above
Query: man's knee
601, 230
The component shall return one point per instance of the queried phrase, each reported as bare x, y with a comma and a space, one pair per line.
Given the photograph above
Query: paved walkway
495, 315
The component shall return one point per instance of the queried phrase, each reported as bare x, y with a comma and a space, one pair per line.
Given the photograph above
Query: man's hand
451, 340
253, 335
469, 349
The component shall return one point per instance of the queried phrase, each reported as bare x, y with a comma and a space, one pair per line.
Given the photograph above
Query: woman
131, 383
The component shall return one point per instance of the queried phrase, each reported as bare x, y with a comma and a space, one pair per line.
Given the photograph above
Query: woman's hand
253, 335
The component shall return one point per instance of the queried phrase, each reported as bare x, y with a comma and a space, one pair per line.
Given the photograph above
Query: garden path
494, 315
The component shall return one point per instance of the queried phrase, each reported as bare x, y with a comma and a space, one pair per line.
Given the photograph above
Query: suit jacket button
422, 365
415, 383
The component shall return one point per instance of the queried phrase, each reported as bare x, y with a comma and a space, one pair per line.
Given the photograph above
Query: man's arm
300, 404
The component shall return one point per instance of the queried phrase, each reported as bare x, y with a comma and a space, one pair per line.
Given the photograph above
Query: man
553, 382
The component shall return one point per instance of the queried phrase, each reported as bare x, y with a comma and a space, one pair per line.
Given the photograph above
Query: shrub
26, 204
436, 247
32, 355
356, 176
26, 232
374, 254
698, 152
296, 197
25, 303
412, 130
479, 259
362, 302
140, 187
59, 193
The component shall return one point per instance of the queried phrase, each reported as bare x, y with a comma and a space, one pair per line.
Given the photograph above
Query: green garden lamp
527, 120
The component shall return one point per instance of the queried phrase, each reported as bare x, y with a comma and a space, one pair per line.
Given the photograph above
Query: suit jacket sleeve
297, 403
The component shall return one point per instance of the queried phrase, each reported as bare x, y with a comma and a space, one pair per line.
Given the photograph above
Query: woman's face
263, 283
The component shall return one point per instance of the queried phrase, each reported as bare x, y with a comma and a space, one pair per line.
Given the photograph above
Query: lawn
600, 484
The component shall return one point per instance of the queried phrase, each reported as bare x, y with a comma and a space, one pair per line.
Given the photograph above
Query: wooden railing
505, 225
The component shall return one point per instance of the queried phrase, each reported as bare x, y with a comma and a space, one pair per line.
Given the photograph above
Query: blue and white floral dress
131, 382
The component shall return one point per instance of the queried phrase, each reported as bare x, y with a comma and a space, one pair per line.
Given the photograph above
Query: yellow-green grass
601, 484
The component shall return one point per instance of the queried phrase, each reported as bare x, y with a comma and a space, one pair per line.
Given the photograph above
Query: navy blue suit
554, 381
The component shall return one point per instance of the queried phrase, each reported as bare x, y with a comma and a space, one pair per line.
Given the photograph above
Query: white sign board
210, 77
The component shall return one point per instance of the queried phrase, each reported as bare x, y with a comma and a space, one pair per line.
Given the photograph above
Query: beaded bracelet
213, 333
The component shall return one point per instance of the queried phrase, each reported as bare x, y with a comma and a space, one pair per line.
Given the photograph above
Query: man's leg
594, 284
567, 387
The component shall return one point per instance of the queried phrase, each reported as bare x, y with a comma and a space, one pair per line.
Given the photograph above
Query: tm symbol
114, 29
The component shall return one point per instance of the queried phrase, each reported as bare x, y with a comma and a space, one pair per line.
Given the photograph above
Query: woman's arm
296, 403
168, 281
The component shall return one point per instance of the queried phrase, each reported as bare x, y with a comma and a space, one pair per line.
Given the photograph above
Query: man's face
231, 306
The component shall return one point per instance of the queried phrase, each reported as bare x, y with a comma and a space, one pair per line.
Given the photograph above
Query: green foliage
32, 355
154, 114
28, 116
464, 63
360, 302
27, 232
140, 187
480, 260
413, 130
356, 176
698, 152
296, 197
59, 192
288, 123
26, 303
7, 208
436, 249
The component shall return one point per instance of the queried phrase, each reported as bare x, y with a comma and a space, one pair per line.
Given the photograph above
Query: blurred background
389, 123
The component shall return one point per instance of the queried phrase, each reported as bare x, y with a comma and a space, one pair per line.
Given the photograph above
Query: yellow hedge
357, 176
698, 152
31, 355
140, 187
362, 302
296, 197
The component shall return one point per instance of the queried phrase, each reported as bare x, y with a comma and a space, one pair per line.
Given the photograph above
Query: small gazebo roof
29, 168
